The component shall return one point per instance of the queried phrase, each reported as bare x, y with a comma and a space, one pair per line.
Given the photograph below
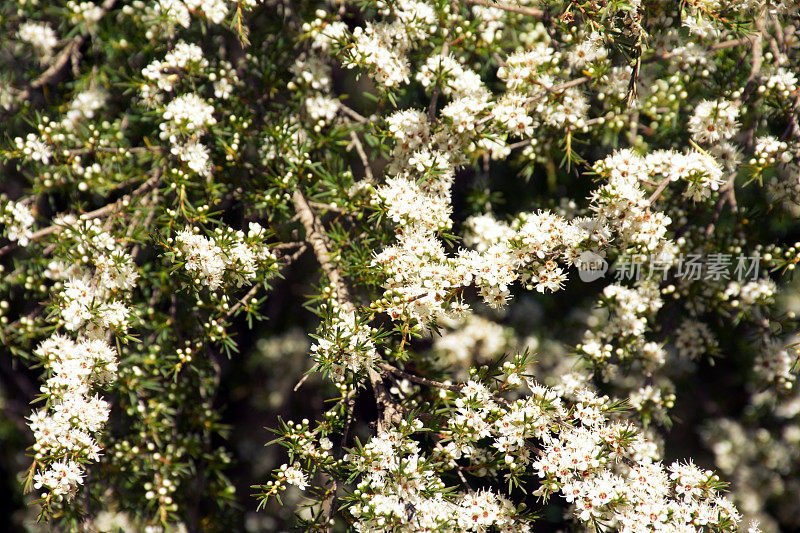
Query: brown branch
151, 213
727, 195
362, 155
111, 150
438, 87
417, 379
285, 245
352, 113
327, 207
316, 238
793, 129
530, 11
757, 52
560, 88
713, 48
658, 191
63, 57
107, 209
318, 243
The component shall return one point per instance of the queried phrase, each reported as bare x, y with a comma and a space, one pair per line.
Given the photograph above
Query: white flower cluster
587, 51
18, 221
490, 22
91, 303
189, 112
470, 341
456, 79
325, 33
769, 149
409, 205
180, 11
629, 311
229, 253
699, 25
607, 470
744, 296
83, 106
195, 155
187, 116
760, 455
294, 476
780, 83
35, 148
522, 69
652, 402
40, 36
346, 345
321, 108
83, 303
383, 47
530, 77
184, 57
400, 490
776, 364
699, 170
410, 130
421, 279
622, 205
512, 113
65, 432
310, 71
535, 241
694, 338
483, 231
87, 12
714, 120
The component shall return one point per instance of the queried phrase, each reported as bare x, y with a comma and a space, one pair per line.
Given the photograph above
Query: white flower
18, 220
714, 120
39, 35
191, 112
202, 257
35, 148
295, 476
195, 155
321, 108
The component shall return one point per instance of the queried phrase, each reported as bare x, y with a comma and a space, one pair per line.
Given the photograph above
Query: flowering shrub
480, 266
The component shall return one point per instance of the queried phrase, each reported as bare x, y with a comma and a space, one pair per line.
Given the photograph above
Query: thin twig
285, 245
658, 191
560, 88
352, 113
327, 207
438, 87
417, 379
757, 53
63, 57
97, 213
530, 11
713, 48
362, 155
